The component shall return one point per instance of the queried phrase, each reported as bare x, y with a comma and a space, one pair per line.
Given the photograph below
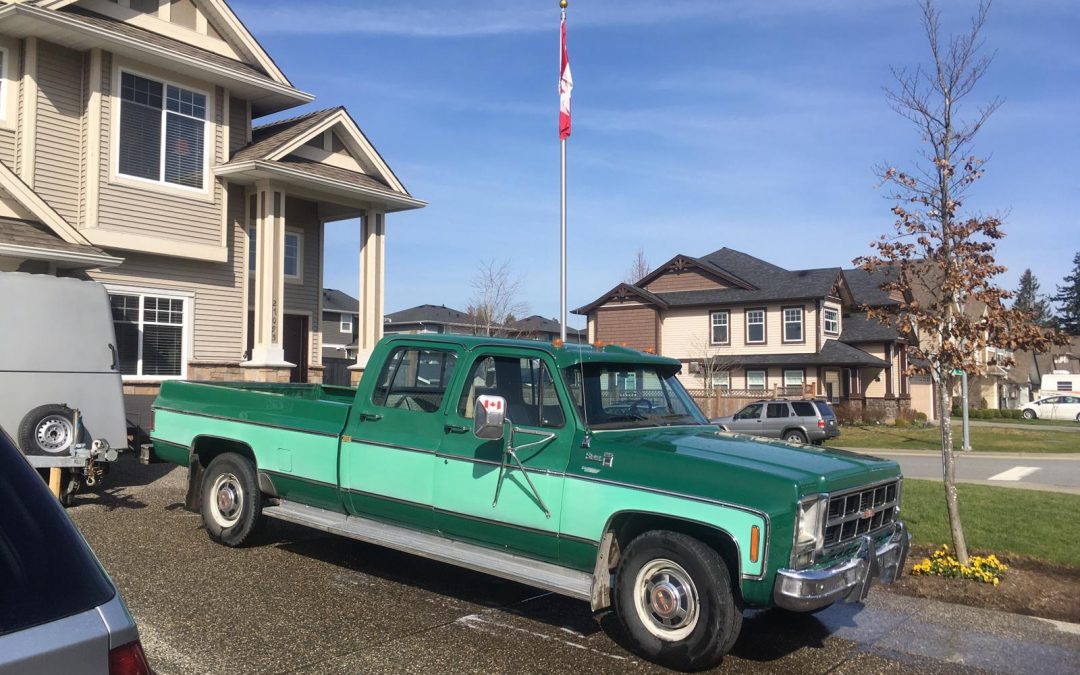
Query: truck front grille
857, 512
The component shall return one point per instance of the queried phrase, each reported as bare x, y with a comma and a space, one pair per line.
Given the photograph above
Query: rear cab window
414, 378
47, 571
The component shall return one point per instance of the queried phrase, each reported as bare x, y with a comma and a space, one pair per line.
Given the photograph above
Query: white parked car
1053, 408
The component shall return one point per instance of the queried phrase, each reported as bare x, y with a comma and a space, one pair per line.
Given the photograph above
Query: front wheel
1030, 414
674, 598
231, 501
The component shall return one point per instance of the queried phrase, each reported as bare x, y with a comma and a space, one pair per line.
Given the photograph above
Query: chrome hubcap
666, 600
228, 499
54, 433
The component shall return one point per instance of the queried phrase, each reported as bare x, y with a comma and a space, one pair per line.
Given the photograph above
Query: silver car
59, 611
801, 421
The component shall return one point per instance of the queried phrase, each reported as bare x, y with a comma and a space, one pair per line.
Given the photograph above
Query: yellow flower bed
988, 569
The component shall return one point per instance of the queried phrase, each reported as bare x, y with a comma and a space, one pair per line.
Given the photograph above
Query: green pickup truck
587, 471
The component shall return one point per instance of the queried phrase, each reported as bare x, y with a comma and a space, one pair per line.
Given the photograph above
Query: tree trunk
948, 465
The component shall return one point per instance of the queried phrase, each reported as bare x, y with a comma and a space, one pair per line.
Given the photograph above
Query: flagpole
562, 229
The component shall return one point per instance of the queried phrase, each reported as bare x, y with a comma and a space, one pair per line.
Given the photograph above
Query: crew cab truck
587, 471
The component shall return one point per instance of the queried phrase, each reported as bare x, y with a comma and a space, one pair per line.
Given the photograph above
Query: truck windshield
624, 396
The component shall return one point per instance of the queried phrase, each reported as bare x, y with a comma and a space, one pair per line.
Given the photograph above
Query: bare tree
639, 269
710, 363
495, 302
941, 262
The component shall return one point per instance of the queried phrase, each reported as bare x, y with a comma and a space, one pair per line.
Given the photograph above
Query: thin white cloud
475, 18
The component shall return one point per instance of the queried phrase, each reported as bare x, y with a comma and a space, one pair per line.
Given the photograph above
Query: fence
722, 402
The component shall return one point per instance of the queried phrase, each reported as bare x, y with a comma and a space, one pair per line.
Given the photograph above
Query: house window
755, 380
346, 323
832, 321
294, 252
720, 328
755, 326
793, 379
162, 132
793, 324
721, 380
149, 334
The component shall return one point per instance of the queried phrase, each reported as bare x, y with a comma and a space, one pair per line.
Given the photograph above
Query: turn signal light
153, 414
755, 541
129, 660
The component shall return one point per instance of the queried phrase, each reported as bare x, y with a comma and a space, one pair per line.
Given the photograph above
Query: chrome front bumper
850, 581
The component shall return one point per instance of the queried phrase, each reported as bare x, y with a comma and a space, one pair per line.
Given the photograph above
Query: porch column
269, 221
889, 393
372, 276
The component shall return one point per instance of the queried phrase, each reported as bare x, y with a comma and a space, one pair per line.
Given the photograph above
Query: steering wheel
633, 409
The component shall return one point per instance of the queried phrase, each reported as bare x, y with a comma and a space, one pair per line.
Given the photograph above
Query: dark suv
795, 421
59, 611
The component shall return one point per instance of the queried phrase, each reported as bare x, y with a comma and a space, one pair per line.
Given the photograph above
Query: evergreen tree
1029, 300
1068, 301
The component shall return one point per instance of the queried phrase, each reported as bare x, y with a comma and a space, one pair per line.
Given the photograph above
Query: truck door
468, 469
394, 429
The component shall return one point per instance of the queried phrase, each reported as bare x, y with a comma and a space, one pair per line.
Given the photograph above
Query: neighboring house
536, 327
1029, 368
758, 328
128, 154
340, 325
443, 319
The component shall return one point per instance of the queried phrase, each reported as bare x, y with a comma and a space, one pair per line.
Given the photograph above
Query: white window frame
764, 330
794, 371
764, 380
185, 332
297, 278
346, 323
786, 323
721, 379
713, 325
825, 320
209, 133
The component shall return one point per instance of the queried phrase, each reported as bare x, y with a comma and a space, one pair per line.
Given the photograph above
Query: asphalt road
1030, 471
305, 602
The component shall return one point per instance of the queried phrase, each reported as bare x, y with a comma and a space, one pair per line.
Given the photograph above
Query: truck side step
523, 570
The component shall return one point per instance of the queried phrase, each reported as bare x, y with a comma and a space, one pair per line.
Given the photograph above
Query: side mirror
489, 416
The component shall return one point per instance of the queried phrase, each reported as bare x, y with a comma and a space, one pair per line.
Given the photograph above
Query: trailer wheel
47, 430
231, 501
674, 598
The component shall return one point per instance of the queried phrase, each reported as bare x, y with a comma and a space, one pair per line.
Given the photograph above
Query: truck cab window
526, 385
414, 378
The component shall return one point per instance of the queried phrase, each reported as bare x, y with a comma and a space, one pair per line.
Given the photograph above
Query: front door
468, 470
393, 432
295, 342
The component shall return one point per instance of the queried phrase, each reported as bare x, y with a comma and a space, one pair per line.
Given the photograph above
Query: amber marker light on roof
755, 541
557, 343
599, 344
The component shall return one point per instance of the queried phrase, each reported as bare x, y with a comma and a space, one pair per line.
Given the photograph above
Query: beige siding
873, 379
304, 298
154, 212
840, 313
632, 326
686, 333
219, 311
7, 147
689, 280
922, 395
239, 124
57, 175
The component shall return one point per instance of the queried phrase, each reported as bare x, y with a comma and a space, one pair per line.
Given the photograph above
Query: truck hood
727, 456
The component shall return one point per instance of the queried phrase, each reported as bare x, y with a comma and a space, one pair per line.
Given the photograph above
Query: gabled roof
33, 241
866, 286
540, 324
267, 139
624, 292
741, 264
225, 21
685, 262
858, 328
432, 314
37, 208
339, 301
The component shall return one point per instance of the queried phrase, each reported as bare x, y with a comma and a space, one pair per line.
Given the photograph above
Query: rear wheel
674, 598
1030, 414
231, 501
795, 436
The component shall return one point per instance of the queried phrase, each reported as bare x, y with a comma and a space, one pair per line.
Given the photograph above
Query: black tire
1029, 414
697, 579
231, 501
48, 430
795, 436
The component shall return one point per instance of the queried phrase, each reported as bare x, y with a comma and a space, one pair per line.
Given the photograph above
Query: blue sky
697, 124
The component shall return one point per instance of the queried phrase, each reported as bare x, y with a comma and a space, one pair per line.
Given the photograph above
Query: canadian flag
566, 85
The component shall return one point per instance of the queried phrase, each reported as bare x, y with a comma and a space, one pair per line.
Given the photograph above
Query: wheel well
206, 448
790, 429
628, 525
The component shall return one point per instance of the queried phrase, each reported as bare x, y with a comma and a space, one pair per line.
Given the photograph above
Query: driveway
305, 602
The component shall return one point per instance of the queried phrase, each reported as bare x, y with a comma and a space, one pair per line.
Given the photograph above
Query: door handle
455, 429
115, 357
370, 417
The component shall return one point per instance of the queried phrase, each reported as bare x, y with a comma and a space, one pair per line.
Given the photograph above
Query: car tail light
153, 414
129, 660
821, 424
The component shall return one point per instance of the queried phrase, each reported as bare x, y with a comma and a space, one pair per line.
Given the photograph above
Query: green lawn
983, 439
1023, 422
997, 520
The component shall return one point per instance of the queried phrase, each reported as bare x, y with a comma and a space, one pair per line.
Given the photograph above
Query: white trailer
1060, 382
